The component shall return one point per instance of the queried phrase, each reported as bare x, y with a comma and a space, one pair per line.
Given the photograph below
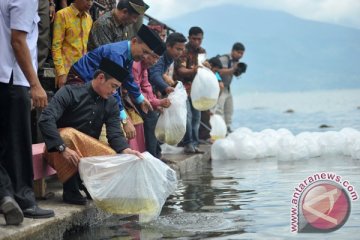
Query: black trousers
16, 169
43, 42
73, 183
151, 143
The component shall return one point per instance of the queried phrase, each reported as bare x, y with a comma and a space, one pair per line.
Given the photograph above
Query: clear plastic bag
125, 184
171, 125
218, 127
204, 89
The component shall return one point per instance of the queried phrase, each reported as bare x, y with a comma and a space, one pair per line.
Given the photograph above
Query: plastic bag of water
204, 89
218, 127
171, 125
125, 184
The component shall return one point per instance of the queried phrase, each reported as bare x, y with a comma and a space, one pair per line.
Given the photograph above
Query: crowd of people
113, 76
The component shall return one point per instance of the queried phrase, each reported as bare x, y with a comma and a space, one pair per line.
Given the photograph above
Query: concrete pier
69, 217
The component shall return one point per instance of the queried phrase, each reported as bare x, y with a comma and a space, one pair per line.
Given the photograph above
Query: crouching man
72, 123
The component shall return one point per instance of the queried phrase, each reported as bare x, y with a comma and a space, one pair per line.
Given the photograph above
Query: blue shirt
17, 15
156, 72
118, 52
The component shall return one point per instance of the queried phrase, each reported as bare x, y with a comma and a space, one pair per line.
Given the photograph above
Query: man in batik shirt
71, 33
113, 26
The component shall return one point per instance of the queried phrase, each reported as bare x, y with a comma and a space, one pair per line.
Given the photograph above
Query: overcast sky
342, 12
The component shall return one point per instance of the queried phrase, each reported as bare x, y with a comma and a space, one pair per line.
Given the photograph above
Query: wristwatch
61, 148
124, 121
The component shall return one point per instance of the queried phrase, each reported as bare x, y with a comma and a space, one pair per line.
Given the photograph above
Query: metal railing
165, 25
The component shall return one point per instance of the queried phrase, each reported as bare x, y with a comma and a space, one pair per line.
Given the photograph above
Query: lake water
251, 199
338, 109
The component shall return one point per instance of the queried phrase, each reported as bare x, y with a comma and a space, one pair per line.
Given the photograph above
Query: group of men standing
101, 57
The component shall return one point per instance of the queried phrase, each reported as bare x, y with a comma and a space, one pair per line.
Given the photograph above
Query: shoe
197, 150
36, 212
229, 130
205, 142
11, 210
74, 197
210, 141
83, 188
189, 149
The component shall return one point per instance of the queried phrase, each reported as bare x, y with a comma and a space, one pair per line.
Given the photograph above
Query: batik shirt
71, 34
187, 60
106, 29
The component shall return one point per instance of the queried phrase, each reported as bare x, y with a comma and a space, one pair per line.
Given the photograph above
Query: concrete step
69, 217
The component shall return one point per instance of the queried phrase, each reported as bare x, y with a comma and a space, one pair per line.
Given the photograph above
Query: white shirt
18, 15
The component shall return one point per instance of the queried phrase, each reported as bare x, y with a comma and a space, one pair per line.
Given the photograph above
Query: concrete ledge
66, 217
183, 163
69, 217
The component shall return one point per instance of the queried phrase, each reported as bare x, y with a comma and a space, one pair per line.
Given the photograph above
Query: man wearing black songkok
72, 123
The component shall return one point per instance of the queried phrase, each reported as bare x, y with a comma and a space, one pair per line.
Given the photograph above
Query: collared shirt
188, 60
118, 52
80, 107
71, 34
17, 15
158, 69
106, 29
227, 62
142, 79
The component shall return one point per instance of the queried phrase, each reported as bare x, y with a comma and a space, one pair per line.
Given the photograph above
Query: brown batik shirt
106, 29
188, 60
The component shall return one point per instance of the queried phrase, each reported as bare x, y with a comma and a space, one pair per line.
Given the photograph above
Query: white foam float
243, 143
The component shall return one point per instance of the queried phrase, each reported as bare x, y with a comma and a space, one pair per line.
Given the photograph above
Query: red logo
325, 207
